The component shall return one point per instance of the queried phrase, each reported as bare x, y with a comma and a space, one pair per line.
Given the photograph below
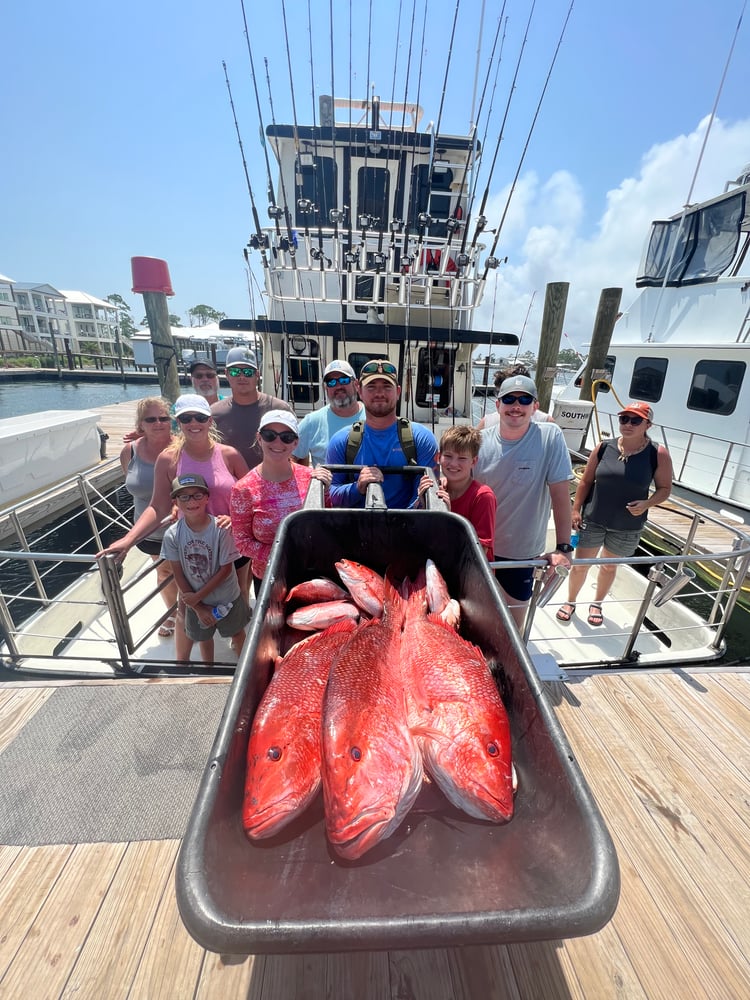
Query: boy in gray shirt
202, 556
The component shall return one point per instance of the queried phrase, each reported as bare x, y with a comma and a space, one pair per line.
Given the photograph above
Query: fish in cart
364, 584
439, 599
372, 767
317, 590
313, 617
283, 756
455, 706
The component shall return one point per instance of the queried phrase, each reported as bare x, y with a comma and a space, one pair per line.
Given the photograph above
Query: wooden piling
165, 354
555, 301
604, 324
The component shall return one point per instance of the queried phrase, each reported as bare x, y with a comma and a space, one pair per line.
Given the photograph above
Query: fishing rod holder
670, 585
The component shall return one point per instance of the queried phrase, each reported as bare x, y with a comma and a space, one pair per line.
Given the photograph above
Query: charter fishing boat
682, 346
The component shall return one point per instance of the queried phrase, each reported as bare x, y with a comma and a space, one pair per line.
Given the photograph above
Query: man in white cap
527, 466
238, 418
343, 408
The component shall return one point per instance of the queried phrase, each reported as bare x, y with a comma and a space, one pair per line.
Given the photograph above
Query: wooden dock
667, 756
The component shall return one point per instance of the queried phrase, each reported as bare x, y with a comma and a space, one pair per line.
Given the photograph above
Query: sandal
167, 628
595, 614
566, 612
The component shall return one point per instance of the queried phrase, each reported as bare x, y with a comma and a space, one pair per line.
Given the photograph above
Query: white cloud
543, 238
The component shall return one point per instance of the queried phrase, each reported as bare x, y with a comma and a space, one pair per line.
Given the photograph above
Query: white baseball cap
285, 417
191, 403
343, 367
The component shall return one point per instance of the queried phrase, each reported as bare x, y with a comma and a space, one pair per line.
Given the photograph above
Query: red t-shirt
478, 505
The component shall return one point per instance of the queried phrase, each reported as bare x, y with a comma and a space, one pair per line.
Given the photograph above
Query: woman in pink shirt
276, 487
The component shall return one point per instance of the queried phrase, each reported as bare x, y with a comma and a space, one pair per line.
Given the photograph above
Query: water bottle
574, 539
221, 611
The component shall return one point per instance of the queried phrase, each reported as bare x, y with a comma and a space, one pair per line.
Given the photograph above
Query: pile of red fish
362, 708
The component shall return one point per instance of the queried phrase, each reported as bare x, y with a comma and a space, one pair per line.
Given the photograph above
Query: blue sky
119, 138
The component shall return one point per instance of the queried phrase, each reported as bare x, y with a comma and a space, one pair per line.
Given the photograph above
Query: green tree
173, 320
568, 357
204, 314
127, 326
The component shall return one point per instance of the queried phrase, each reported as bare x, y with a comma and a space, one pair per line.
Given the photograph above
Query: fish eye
274, 753
492, 749
356, 753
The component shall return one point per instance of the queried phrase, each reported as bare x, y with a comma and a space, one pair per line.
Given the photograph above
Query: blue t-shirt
317, 428
380, 448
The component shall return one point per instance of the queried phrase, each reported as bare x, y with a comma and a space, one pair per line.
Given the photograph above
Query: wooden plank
126, 915
704, 924
483, 971
17, 706
54, 939
229, 976
421, 975
25, 885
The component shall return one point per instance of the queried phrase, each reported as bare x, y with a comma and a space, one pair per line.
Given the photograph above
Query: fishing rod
491, 256
273, 210
261, 240
470, 155
481, 220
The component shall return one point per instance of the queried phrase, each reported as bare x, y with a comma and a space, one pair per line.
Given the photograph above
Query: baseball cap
343, 367
191, 403
200, 361
639, 409
240, 356
378, 369
285, 417
518, 383
188, 479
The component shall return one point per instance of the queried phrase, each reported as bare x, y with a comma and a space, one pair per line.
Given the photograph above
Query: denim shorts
618, 543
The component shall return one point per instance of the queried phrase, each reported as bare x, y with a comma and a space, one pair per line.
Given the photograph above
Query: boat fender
405, 437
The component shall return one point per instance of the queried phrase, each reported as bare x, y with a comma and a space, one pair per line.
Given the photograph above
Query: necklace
624, 456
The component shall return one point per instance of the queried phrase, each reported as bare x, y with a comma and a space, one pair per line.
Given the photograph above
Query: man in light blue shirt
317, 428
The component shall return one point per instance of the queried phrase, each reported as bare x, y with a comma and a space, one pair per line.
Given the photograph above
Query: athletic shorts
619, 543
151, 546
516, 581
228, 626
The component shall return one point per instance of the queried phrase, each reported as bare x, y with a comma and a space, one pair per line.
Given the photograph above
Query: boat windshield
697, 247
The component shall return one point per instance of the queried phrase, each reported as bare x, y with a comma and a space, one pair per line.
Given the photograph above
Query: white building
58, 319
11, 335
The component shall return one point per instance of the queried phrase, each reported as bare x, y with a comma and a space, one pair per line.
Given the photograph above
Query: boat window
373, 192
696, 248
303, 370
434, 386
648, 379
316, 184
434, 198
716, 386
360, 358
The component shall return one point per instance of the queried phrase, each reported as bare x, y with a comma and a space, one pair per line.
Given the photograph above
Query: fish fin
345, 626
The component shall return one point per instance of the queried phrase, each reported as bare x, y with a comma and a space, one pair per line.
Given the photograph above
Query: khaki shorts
228, 626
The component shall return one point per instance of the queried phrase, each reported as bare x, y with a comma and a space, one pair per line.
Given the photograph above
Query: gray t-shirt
201, 555
239, 424
519, 473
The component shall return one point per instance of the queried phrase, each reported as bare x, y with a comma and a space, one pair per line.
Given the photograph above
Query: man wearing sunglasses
205, 381
317, 428
238, 418
380, 445
527, 466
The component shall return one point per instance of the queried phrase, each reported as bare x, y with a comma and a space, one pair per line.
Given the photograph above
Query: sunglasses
625, 418
247, 372
287, 437
378, 368
187, 497
337, 380
155, 420
525, 400
186, 418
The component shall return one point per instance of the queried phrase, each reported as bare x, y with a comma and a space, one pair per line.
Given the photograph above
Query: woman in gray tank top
153, 426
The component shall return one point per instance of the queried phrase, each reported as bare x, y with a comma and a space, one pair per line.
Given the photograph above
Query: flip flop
564, 615
166, 628
595, 615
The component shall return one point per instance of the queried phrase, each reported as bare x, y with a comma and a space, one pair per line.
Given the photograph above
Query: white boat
683, 347
40, 449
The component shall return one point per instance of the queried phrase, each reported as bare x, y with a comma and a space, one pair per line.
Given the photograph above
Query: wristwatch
563, 547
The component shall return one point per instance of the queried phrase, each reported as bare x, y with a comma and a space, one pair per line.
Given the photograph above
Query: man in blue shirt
380, 445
